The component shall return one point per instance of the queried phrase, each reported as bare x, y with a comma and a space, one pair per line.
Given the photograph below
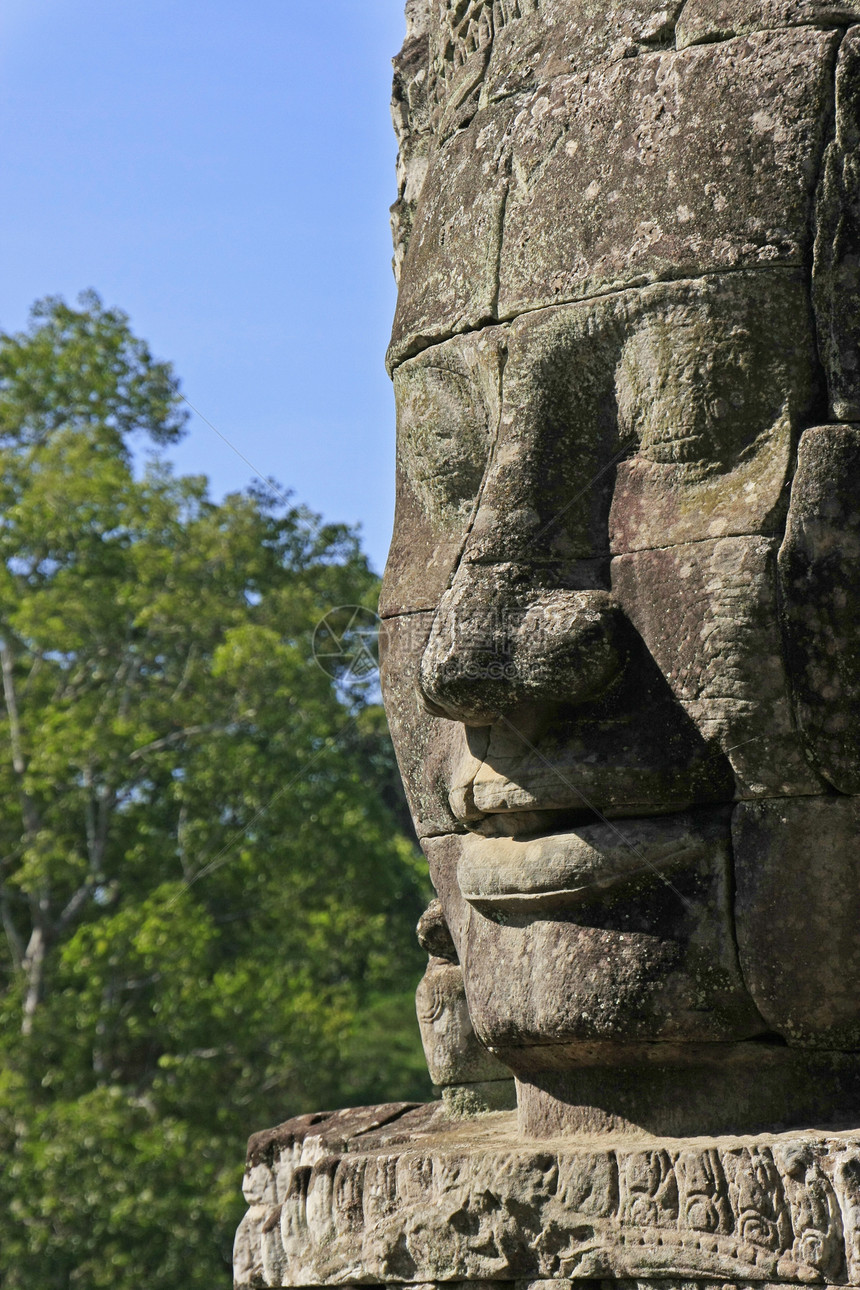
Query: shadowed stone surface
819, 565
836, 269
708, 613
796, 869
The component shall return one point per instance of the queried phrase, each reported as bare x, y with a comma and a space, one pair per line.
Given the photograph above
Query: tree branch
76, 903
13, 936
176, 737
7, 662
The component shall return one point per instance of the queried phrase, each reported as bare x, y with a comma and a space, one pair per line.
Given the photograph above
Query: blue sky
223, 173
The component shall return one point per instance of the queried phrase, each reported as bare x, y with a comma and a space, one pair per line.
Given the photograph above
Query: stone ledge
562, 1283
414, 1197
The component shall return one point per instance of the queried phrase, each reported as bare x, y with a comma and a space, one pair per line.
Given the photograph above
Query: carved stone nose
494, 646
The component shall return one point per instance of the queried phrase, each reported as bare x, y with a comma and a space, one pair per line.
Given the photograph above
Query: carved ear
470, 1077
434, 935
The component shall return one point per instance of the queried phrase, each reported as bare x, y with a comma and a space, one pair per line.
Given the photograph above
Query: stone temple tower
621, 662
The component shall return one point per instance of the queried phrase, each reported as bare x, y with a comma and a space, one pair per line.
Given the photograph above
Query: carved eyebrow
452, 373
436, 367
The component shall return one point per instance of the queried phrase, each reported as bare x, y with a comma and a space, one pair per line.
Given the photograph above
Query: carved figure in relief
622, 660
649, 1190
705, 1206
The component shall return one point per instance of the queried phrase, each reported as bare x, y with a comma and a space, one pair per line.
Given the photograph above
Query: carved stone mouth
561, 870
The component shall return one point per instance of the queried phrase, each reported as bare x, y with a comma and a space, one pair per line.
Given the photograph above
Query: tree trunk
33, 967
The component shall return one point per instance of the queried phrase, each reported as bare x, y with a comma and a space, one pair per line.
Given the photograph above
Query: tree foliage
207, 888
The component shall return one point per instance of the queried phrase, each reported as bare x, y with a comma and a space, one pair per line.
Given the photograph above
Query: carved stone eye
691, 393
442, 439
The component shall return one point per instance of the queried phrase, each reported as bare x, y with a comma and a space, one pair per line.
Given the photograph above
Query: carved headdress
464, 55
439, 77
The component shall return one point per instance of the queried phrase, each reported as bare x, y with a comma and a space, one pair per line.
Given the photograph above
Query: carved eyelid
448, 467
696, 417
470, 386
448, 371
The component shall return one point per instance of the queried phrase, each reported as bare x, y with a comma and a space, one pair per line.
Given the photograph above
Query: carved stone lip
542, 786
498, 875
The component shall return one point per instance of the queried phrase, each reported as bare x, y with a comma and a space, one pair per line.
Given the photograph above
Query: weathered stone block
703, 21
836, 269
708, 614
797, 892
665, 166
672, 1092
819, 567
451, 269
566, 36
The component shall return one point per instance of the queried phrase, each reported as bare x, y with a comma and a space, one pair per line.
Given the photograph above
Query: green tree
207, 890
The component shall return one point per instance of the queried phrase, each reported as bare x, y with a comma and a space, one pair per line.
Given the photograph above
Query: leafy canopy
207, 886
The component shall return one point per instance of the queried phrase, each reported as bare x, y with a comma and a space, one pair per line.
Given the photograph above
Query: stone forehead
480, 51
563, 166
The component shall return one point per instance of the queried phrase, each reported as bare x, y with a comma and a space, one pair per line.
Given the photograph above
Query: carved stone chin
620, 657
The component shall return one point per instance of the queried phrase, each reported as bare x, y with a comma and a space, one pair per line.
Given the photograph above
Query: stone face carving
621, 662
